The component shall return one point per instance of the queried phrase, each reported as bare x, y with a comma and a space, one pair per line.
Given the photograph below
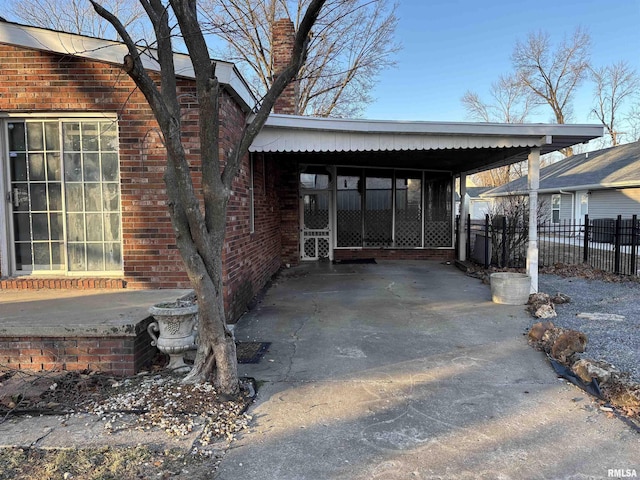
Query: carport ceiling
454, 147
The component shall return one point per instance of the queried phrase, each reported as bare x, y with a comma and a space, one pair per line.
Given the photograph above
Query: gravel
616, 342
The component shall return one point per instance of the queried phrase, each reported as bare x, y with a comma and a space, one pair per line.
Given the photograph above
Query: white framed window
64, 191
556, 200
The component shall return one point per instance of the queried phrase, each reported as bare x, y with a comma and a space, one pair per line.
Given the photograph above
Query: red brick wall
283, 38
33, 81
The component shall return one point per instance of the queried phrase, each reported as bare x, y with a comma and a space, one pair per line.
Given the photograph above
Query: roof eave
112, 52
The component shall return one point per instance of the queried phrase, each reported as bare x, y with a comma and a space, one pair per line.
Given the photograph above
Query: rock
560, 298
545, 311
567, 344
587, 370
538, 298
537, 330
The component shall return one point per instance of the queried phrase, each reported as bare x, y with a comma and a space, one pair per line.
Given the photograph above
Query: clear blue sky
452, 46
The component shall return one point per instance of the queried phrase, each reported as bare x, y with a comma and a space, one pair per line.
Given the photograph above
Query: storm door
315, 210
64, 196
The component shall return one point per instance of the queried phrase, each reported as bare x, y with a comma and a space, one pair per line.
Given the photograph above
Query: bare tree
510, 102
553, 75
78, 16
200, 226
352, 42
614, 85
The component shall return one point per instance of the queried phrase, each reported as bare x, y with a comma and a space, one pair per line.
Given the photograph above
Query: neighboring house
478, 206
603, 184
81, 166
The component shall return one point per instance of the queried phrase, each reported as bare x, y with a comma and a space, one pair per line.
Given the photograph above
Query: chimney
283, 36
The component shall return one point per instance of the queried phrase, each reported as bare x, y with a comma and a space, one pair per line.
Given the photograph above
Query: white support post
462, 227
533, 177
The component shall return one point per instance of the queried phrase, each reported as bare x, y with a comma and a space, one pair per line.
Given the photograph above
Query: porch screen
438, 201
408, 231
349, 208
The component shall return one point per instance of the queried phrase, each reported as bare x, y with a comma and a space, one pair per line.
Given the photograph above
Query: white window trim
7, 261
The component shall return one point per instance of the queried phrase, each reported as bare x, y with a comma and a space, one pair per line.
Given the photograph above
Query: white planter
176, 326
510, 288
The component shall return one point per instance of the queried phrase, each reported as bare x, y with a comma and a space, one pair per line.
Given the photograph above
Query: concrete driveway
403, 370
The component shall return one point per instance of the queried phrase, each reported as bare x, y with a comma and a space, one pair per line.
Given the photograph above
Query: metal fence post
468, 243
504, 241
634, 243
587, 233
617, 244
487, 239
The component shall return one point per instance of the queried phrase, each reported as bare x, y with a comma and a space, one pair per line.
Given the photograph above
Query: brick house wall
34, 81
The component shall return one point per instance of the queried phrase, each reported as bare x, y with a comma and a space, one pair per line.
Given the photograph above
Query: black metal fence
609, 244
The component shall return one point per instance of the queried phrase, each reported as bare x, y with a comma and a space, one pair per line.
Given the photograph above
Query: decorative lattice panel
349, 228
310, 248
408, 228
323, 248
437, 234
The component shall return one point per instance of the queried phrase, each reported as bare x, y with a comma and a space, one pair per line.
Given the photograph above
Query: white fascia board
573, 189
114, 52
442, 128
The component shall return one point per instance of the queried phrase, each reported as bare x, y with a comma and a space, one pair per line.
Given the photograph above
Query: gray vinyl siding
611, 203
545, 203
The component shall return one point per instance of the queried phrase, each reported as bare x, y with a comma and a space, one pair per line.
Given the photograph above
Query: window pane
55, 224
72, 167
108, 137
17, 138
55, 196
92, 197
22, 227
35, 139
57, 256
52, 136
75, 252
111, 227
36, 167
20, 192
90, 137
91, 163
111, 197
41, 256
53, 167
75, 227
94, 227
113, 257
109, 167
71, 136
23, 256
95, 256
40, 222
38, 197
18, 166
74, 197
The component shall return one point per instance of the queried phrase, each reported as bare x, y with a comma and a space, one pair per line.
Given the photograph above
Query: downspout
573, 203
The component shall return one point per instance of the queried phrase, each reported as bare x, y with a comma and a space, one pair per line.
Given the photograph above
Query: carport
367, 188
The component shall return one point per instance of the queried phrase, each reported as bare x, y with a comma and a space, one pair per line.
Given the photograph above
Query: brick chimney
283, 36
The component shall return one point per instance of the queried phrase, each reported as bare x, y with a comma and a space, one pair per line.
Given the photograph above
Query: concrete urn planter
174, 331
510, 288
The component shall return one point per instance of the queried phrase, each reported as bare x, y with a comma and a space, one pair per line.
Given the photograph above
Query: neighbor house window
555, 208
65, 195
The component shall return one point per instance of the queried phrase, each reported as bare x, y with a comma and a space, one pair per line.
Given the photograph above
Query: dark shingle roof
611, 167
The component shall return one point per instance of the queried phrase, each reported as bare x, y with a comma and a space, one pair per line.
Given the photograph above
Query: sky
451, 46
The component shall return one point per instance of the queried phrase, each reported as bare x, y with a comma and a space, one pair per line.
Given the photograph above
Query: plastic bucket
510, 288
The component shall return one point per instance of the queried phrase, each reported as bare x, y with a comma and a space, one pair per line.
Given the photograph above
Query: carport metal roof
450, 146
